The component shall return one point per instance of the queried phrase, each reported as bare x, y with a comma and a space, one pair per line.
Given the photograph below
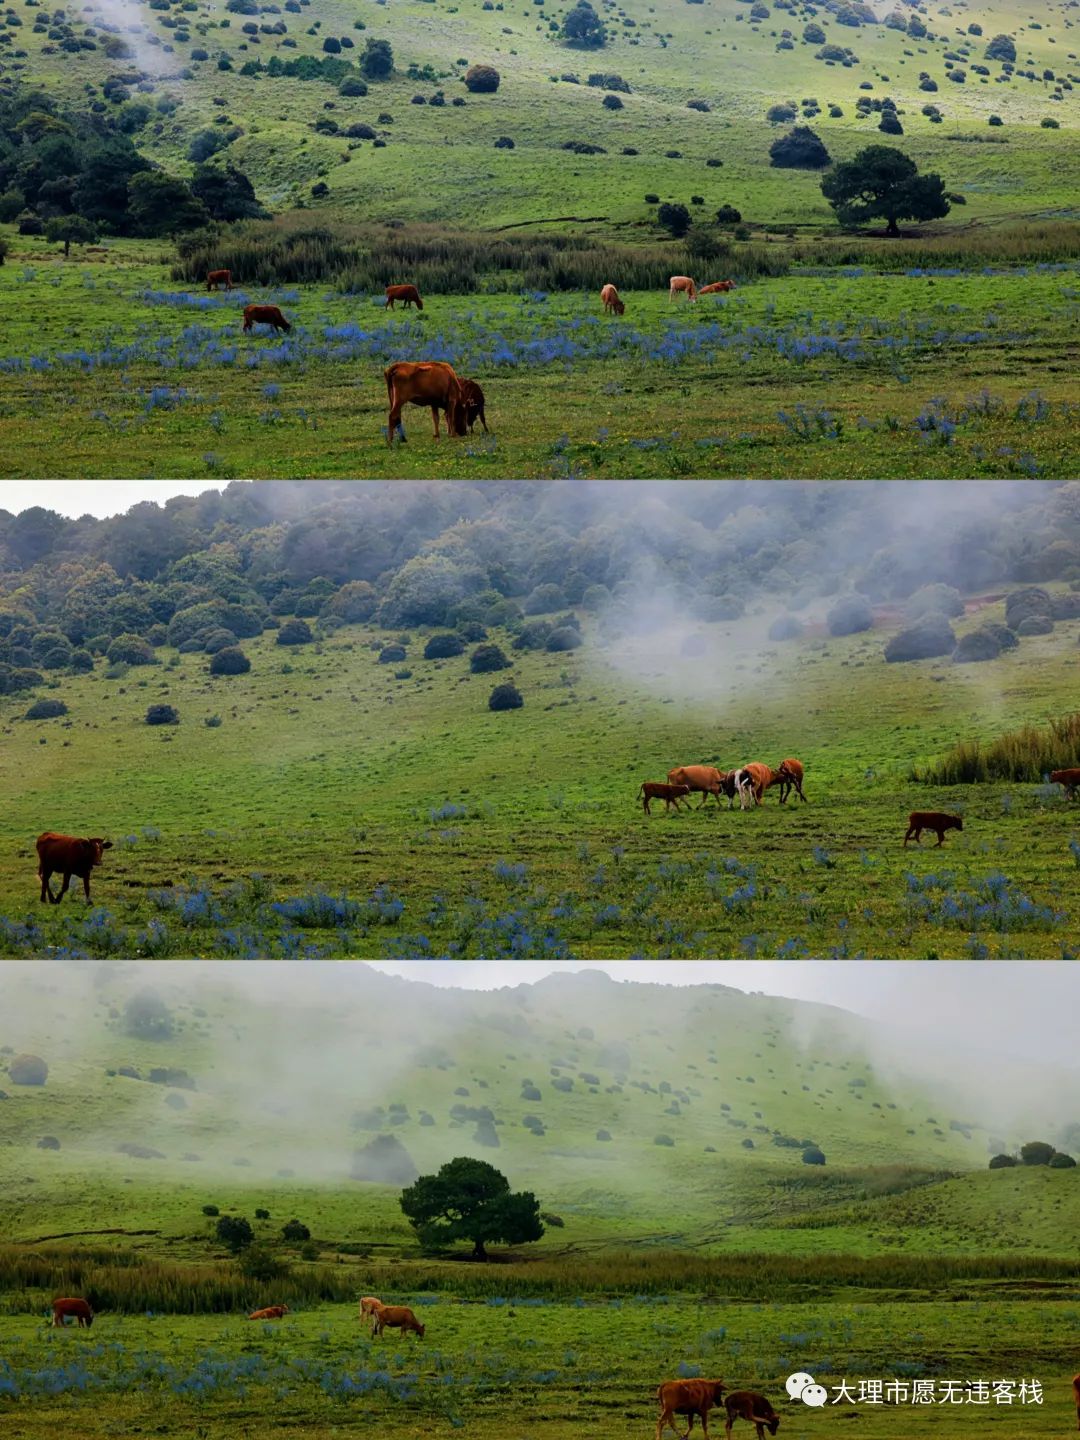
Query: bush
444, 647
1001, 47
941, 598
566, 638
544, 599
663, 1140
1035, 625
782, 113
979, 644
392, 654
482, 79
28, 1070
728, 215
1061, 1161
1036, 1152
612, 102
813, 1156
799, 149
785, 627
675, 219
218, 640
46, 710
294, 632
850, 614
230, 661
234, 1232
889, 124
385, 1161
1003, 1162
352, 88
505, 697
131, 650
504, 143
295, 1230
162, 715
932, 635
211, 1210
486, 658
81, 660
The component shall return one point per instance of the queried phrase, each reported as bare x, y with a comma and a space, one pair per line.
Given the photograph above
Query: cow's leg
64, 886
907, 837
665, 1416
435, 420
46, 892
940, 838
86, 886
394, 422
483, 421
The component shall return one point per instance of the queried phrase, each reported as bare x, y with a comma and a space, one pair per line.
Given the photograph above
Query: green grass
895, 374
328, 772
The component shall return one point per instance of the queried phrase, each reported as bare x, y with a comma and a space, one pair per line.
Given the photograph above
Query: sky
1025, 1009
100, 498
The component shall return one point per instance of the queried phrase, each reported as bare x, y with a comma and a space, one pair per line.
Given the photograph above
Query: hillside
290, 1073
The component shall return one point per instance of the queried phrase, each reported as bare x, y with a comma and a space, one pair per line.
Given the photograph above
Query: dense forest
213, 569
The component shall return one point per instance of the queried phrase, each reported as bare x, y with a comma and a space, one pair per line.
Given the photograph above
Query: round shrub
294, 632
482, 79
486, 658
813, 1156
28, 1070
46, 710
234, 1232
785, 627
1001, 633
471, 631
355, 601
505, 697
1035, 625
933, 635
218, 640
230, 661
1060, 1161
352, 87
162, 715
543, 599
718, 607
131, 650
50, 1142
799, 149
850, 614
728, 215
1003, 1162
444, 647
977, 645
295, 1230
392, 654
603, 1134
940, 598
565, 638
82, 660
781, 113
504, 143
663, 1140
612, 102
211, 1210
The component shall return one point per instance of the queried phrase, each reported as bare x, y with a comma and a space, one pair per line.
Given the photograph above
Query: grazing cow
717, 287
611, 300
473, 399
1069, 778
427, 382
369, 1305
705, 778
655, 790
791, 777
407, 294
682, 284
67, 856
920, 820
1076, 1397
71, 1306
272, 1312
688, 1397
219, 277
751, 782
398, 1317
749, 1405
265, 315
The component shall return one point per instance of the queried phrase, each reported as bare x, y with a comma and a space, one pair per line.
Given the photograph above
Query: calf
920, 820
397, 1317
749, 1405
688, 1397
69, 856
790, 774
654, 790
272, 1312
1069, 778
69, 1305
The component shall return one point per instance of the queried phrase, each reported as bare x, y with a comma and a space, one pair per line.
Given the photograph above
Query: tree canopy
470, 1200
882, 183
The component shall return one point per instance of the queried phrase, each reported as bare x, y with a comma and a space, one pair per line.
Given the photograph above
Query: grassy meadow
111, 368
328, 804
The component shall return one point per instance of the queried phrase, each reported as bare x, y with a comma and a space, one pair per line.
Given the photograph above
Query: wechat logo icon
804, 1387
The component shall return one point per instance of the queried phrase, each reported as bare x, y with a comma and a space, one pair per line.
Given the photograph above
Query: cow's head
955, 823
285, 326
96, 848
420, 1330
718, 1391
620, 307
456, 409
89, 1317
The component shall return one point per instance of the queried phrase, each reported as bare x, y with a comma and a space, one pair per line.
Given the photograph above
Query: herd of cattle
434, 383
692, 1398
747, 782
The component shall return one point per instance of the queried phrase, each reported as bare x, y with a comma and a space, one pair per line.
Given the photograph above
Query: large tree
470, 1200
882, 183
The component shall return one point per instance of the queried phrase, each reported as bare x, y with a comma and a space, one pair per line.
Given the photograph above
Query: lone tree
470, 1200
675, 219
482, 79
584, 27
69, 230
882, 183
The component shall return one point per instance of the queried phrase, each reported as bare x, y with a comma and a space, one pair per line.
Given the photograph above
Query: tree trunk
892, 228
67, 248
479, 1253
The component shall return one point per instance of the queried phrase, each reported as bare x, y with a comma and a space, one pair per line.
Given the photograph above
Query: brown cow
791, 777
611, 301
920, 820
68, 856
705, 778
655, 790
717, 287
72, 1306
265, 315
688, 1397
749, 1405
398, 1317
1076, 1397
751, 781
219, 277
427, 382
682, 285
473, 399
407, 294
272, 1312
1069, 778
369, 1305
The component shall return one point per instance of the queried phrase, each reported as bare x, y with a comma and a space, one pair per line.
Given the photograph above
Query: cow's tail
388, 375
